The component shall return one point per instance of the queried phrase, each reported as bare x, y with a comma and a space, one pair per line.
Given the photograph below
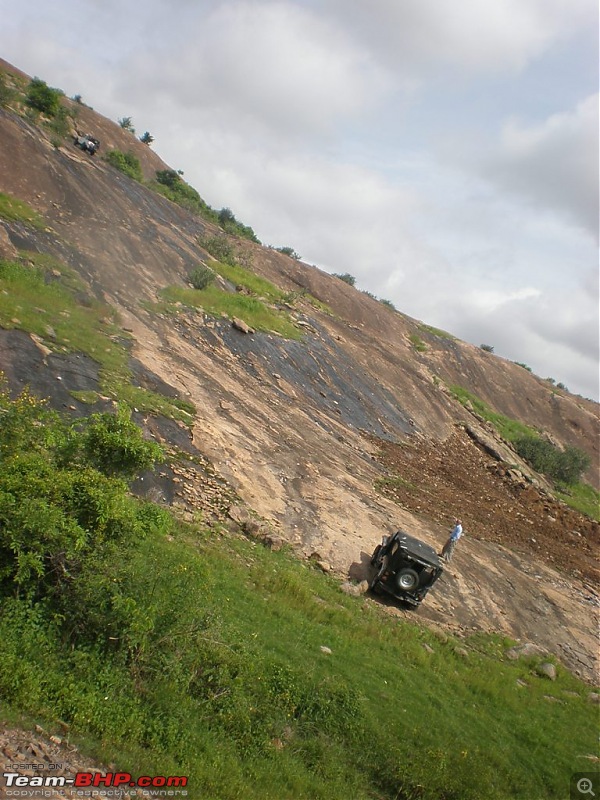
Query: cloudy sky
445, 154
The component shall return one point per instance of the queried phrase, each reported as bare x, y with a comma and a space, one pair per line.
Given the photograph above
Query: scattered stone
7, 249
239, 514
461, 651
326, 650
241, 326
428, 647
274, 542
547, 670
354, 589
552, 699
524, 650
594, 697
521, 683
50, 331
324, 566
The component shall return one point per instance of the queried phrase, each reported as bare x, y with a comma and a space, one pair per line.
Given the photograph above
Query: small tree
346, 277
288, 251
387, 303
42, 97
147, 138
201, 276
7, 94
127, 124
126, 163
488, 348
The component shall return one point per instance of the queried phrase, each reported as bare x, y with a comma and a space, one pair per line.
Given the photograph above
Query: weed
216, 302
436, 332
15, 210
417, 343
39, 301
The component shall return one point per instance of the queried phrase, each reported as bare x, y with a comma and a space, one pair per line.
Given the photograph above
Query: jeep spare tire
407, 580
375, 554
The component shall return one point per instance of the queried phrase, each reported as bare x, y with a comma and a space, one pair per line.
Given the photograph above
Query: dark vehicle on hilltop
405, 567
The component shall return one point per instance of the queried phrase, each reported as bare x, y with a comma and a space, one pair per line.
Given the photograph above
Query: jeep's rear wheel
407, 580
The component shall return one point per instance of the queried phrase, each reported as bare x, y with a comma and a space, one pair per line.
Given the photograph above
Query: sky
444, 154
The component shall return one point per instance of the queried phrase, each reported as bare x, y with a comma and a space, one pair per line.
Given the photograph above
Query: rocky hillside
331, 437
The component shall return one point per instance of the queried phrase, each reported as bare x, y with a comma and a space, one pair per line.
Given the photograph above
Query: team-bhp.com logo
117, 784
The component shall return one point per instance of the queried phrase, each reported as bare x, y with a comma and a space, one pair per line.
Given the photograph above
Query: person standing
448, 548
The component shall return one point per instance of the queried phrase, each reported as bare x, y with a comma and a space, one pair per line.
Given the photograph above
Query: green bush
115, 445
288, 251
346, 277
170, 184
487, 348
201, 277
42, 97
7, 93
63, 501
126, 163
565, 466
220, 248
233, 226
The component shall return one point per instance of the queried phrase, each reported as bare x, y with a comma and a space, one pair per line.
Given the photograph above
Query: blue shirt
456, 533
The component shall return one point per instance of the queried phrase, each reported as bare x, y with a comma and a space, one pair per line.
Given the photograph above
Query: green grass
240, 276
583, 498
393, 482
14, 210
216, 302
436, 331
34, 299
417, 343
180, 650
230, 687
509, 429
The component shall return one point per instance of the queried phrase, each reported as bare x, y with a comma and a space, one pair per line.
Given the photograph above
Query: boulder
524, 650
241, 326
546, 670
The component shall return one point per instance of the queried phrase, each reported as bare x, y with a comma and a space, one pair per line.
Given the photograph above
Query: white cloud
421, 36
283, 111
553, 164
276, 65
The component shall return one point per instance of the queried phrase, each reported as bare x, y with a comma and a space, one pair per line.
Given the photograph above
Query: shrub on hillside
42, 97
201, 277
220, 248
288, 251
7, 94
346, 277
63, 500
487, 348
233, 226
126, 163
566, 466
170, 184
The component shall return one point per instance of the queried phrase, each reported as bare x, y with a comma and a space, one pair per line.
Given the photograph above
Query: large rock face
283, 422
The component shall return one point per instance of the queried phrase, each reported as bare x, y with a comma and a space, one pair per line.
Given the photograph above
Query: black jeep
87, 143
405, 567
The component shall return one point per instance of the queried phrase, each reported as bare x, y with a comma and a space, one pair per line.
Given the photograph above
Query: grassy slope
230, 686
